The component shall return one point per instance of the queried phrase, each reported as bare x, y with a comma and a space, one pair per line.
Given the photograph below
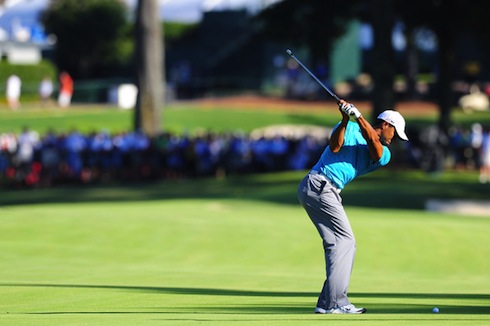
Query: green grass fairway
178, 118
192, 117
234, 256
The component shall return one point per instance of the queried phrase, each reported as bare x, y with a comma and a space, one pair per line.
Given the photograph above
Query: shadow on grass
382, 308
386, 189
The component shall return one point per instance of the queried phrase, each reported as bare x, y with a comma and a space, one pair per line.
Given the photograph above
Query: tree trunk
149, 62
444, 93
412, 65
383, 57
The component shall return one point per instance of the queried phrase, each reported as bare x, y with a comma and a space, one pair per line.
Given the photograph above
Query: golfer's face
388, 134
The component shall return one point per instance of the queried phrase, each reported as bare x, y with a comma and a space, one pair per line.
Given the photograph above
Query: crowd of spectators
433, 151
31, 160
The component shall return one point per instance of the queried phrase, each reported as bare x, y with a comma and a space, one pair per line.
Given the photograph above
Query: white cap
395, 119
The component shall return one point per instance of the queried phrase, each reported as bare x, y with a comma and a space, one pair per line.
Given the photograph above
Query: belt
330, 182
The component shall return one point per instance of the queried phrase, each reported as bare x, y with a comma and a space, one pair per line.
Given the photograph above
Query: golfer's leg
327, 214
309, 192
339, 261
339, 245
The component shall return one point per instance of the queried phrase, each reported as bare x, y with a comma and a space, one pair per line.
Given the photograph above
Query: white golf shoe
348, 309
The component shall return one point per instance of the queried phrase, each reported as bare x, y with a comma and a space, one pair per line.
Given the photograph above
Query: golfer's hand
349, 109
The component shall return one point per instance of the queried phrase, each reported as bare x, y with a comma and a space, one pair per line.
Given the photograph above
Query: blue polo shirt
352, 160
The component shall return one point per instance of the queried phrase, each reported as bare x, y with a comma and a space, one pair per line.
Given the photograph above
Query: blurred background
428, 59
215, 47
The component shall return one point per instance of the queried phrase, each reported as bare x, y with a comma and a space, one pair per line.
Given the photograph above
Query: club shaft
313, 75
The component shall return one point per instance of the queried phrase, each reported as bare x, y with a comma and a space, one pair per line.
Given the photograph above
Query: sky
170, 10
21, 17
22, 13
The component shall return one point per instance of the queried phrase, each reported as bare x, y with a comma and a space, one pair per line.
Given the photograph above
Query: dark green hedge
31, 76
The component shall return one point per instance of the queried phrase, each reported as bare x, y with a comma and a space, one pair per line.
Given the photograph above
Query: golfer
355, 148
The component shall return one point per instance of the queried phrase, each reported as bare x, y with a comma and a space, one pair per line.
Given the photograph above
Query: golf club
313, 75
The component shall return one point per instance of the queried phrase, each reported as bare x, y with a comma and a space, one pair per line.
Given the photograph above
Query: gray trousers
323, 205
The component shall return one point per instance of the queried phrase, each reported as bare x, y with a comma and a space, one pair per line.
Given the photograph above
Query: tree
149, 62
383, 72
450, 20
315, 24
89, 34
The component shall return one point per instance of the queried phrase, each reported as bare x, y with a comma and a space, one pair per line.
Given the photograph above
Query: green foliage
315, 24
440, 16
28, 73
174, 31
31, 76
89, 34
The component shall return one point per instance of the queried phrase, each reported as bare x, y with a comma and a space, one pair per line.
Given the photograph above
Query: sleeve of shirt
385, 157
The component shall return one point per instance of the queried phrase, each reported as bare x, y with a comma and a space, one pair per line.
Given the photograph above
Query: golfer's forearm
374, 145
337, 138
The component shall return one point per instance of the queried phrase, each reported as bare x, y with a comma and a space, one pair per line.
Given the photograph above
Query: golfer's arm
374, 145
337, 138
